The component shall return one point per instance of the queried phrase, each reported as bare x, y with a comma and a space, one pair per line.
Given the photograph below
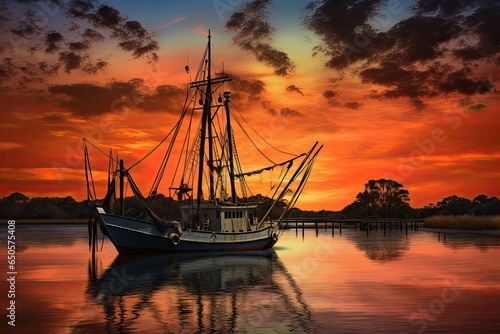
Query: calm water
342, 284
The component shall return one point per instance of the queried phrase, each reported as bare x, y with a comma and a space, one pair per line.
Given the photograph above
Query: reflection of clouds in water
224, 293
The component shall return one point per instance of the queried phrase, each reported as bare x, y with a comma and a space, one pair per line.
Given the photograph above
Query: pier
360, 224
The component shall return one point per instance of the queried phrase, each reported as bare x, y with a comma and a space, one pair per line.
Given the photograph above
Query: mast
227, 96
208, 106
122, 174
205, 122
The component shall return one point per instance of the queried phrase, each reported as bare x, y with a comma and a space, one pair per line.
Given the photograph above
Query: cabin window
217, 214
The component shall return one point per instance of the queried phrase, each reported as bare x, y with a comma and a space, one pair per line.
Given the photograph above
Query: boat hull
132, 236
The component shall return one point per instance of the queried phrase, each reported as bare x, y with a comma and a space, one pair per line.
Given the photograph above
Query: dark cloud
167, 98
106, 17
434, 51
341, 23
78, 46
269, 108
7, 69
287, 112
477, 107
294, 89
70, 48
4, 14
70, 60
94, 68
331, 97
430, 81
254, 34
92, 35
87, 100
418, 104
353, 105
53, 41
79, 9
134, 38
330, 94
245, 90
29, 26
47, 69
54, 118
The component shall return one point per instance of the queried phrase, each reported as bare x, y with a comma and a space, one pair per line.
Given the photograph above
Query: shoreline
85, 221
450, 230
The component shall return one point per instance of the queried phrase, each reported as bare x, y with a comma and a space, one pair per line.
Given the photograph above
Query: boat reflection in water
196, 293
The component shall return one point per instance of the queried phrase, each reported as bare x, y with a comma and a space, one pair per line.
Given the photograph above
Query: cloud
353, 105
167, 98
70, 60
106, 17
7, 69
294, 89
87, 100
246, 90
436, 50
92, 35
287, 112
69, 46
174, 21
254, 34
29, 25
477, 107
53, 40
134, 38
331, 96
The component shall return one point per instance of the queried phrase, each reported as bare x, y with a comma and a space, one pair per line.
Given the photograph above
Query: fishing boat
214, 215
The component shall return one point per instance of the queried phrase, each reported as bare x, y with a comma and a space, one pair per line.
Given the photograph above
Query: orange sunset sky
405, 90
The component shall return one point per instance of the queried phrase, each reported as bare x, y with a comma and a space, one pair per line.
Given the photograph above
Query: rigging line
166, 157
154, 149
97, 147
251, 141
287, 186
284, 152
301, 186
200, 74
295, 197
258, 171
280, 197
90, 192
185, 146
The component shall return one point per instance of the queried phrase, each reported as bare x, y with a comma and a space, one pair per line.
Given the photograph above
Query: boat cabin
220, 218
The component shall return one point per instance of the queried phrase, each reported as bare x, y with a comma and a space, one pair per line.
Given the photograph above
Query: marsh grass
466, 222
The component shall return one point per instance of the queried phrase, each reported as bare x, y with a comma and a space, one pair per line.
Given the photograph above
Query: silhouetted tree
454, 205
14, 205
385, 198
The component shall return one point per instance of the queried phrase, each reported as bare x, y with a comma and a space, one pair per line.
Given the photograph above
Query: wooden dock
360, 224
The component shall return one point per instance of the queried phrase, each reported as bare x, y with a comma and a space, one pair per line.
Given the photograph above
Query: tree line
379, 198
